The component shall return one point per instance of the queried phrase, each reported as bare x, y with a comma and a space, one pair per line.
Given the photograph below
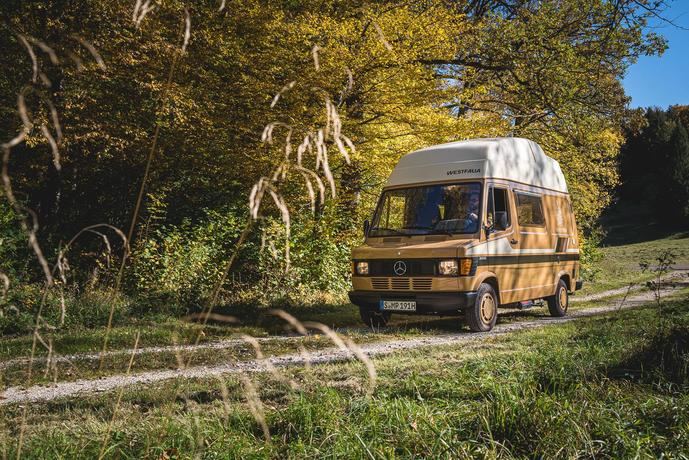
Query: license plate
398, 305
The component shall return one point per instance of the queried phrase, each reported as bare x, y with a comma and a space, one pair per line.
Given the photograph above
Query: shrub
590, 255
183, 263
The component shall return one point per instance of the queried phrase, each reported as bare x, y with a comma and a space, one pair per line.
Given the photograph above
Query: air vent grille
402, 284
380, 283
422, 284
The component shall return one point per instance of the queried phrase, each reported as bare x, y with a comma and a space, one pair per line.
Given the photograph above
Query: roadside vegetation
612, 386
620, 265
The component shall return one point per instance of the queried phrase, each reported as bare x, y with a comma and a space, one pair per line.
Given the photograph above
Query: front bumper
578, 285
427, 303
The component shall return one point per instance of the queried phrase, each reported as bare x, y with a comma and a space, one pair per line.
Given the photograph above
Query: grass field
619, 264
619, 267
614, 386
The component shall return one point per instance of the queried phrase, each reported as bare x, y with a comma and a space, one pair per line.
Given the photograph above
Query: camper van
464, 228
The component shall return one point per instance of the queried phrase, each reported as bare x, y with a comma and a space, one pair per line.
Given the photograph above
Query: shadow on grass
664, 360
335, 316
629, 224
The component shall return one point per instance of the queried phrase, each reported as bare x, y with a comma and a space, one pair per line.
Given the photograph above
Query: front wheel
482, 315
374, 319
558, 303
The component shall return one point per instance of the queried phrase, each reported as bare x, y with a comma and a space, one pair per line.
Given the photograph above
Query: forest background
203, 108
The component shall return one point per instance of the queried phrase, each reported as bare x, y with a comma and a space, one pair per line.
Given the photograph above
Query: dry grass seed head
78, 62
314, 54
92, 50
141, 9
381, 36
255, 405
211, 316
5, 286
187, 30
30, 230
348, 345
32, 55
53, 147
267, 363
284, 89
291, 320
321, 187
46, 49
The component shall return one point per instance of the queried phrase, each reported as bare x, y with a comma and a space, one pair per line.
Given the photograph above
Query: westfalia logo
456, 172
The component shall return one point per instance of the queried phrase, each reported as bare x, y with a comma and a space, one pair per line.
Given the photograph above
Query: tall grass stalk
149, 161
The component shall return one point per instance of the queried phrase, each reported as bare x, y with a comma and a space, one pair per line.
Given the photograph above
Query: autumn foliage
401, 75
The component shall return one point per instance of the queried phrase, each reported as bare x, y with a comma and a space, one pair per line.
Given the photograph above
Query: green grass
179, 332
619, 264
610, 387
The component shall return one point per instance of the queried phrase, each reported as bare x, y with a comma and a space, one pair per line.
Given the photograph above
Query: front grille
413, 267
422, 284
402, 284
380, 283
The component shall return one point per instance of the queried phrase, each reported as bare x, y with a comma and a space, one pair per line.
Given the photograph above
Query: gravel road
19, 395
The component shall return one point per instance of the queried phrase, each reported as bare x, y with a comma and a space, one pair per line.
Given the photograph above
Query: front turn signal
465, 267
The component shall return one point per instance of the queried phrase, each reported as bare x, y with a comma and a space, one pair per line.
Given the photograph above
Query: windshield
432, 209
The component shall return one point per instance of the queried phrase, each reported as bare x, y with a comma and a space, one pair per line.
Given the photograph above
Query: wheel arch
492, 279
567, 278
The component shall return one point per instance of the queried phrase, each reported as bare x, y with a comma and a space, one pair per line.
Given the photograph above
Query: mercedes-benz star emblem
400, 268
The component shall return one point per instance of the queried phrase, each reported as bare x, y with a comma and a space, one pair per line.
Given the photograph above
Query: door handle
513, 241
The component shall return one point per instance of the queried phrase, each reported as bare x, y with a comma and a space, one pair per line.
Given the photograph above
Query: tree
678, 169
655, 164
402, 75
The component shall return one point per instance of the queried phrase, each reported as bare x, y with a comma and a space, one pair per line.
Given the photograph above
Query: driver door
502, 243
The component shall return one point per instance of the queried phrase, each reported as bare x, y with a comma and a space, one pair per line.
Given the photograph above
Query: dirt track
14, 395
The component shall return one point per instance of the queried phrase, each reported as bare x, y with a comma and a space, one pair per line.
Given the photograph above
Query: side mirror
367, 226
500, 220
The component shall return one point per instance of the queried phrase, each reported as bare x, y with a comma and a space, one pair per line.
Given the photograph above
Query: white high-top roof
510, 158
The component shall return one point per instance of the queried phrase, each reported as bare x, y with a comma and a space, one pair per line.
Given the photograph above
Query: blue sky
663, 81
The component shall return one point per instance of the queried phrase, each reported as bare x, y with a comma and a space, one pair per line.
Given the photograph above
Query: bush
13, 254
183, 263
90, 309
590, 255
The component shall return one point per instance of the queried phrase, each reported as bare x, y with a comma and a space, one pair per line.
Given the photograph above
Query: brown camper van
465, 228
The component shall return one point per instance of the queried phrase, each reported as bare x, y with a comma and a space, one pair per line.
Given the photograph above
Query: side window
529, 209
498, 215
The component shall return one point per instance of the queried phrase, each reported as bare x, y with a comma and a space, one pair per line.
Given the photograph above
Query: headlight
448, 267
362, 268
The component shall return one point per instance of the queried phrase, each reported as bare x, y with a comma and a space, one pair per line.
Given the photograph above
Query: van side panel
535, 244
547, 249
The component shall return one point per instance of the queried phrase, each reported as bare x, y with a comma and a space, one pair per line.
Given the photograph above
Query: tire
482, 315
558, 303
374, 319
